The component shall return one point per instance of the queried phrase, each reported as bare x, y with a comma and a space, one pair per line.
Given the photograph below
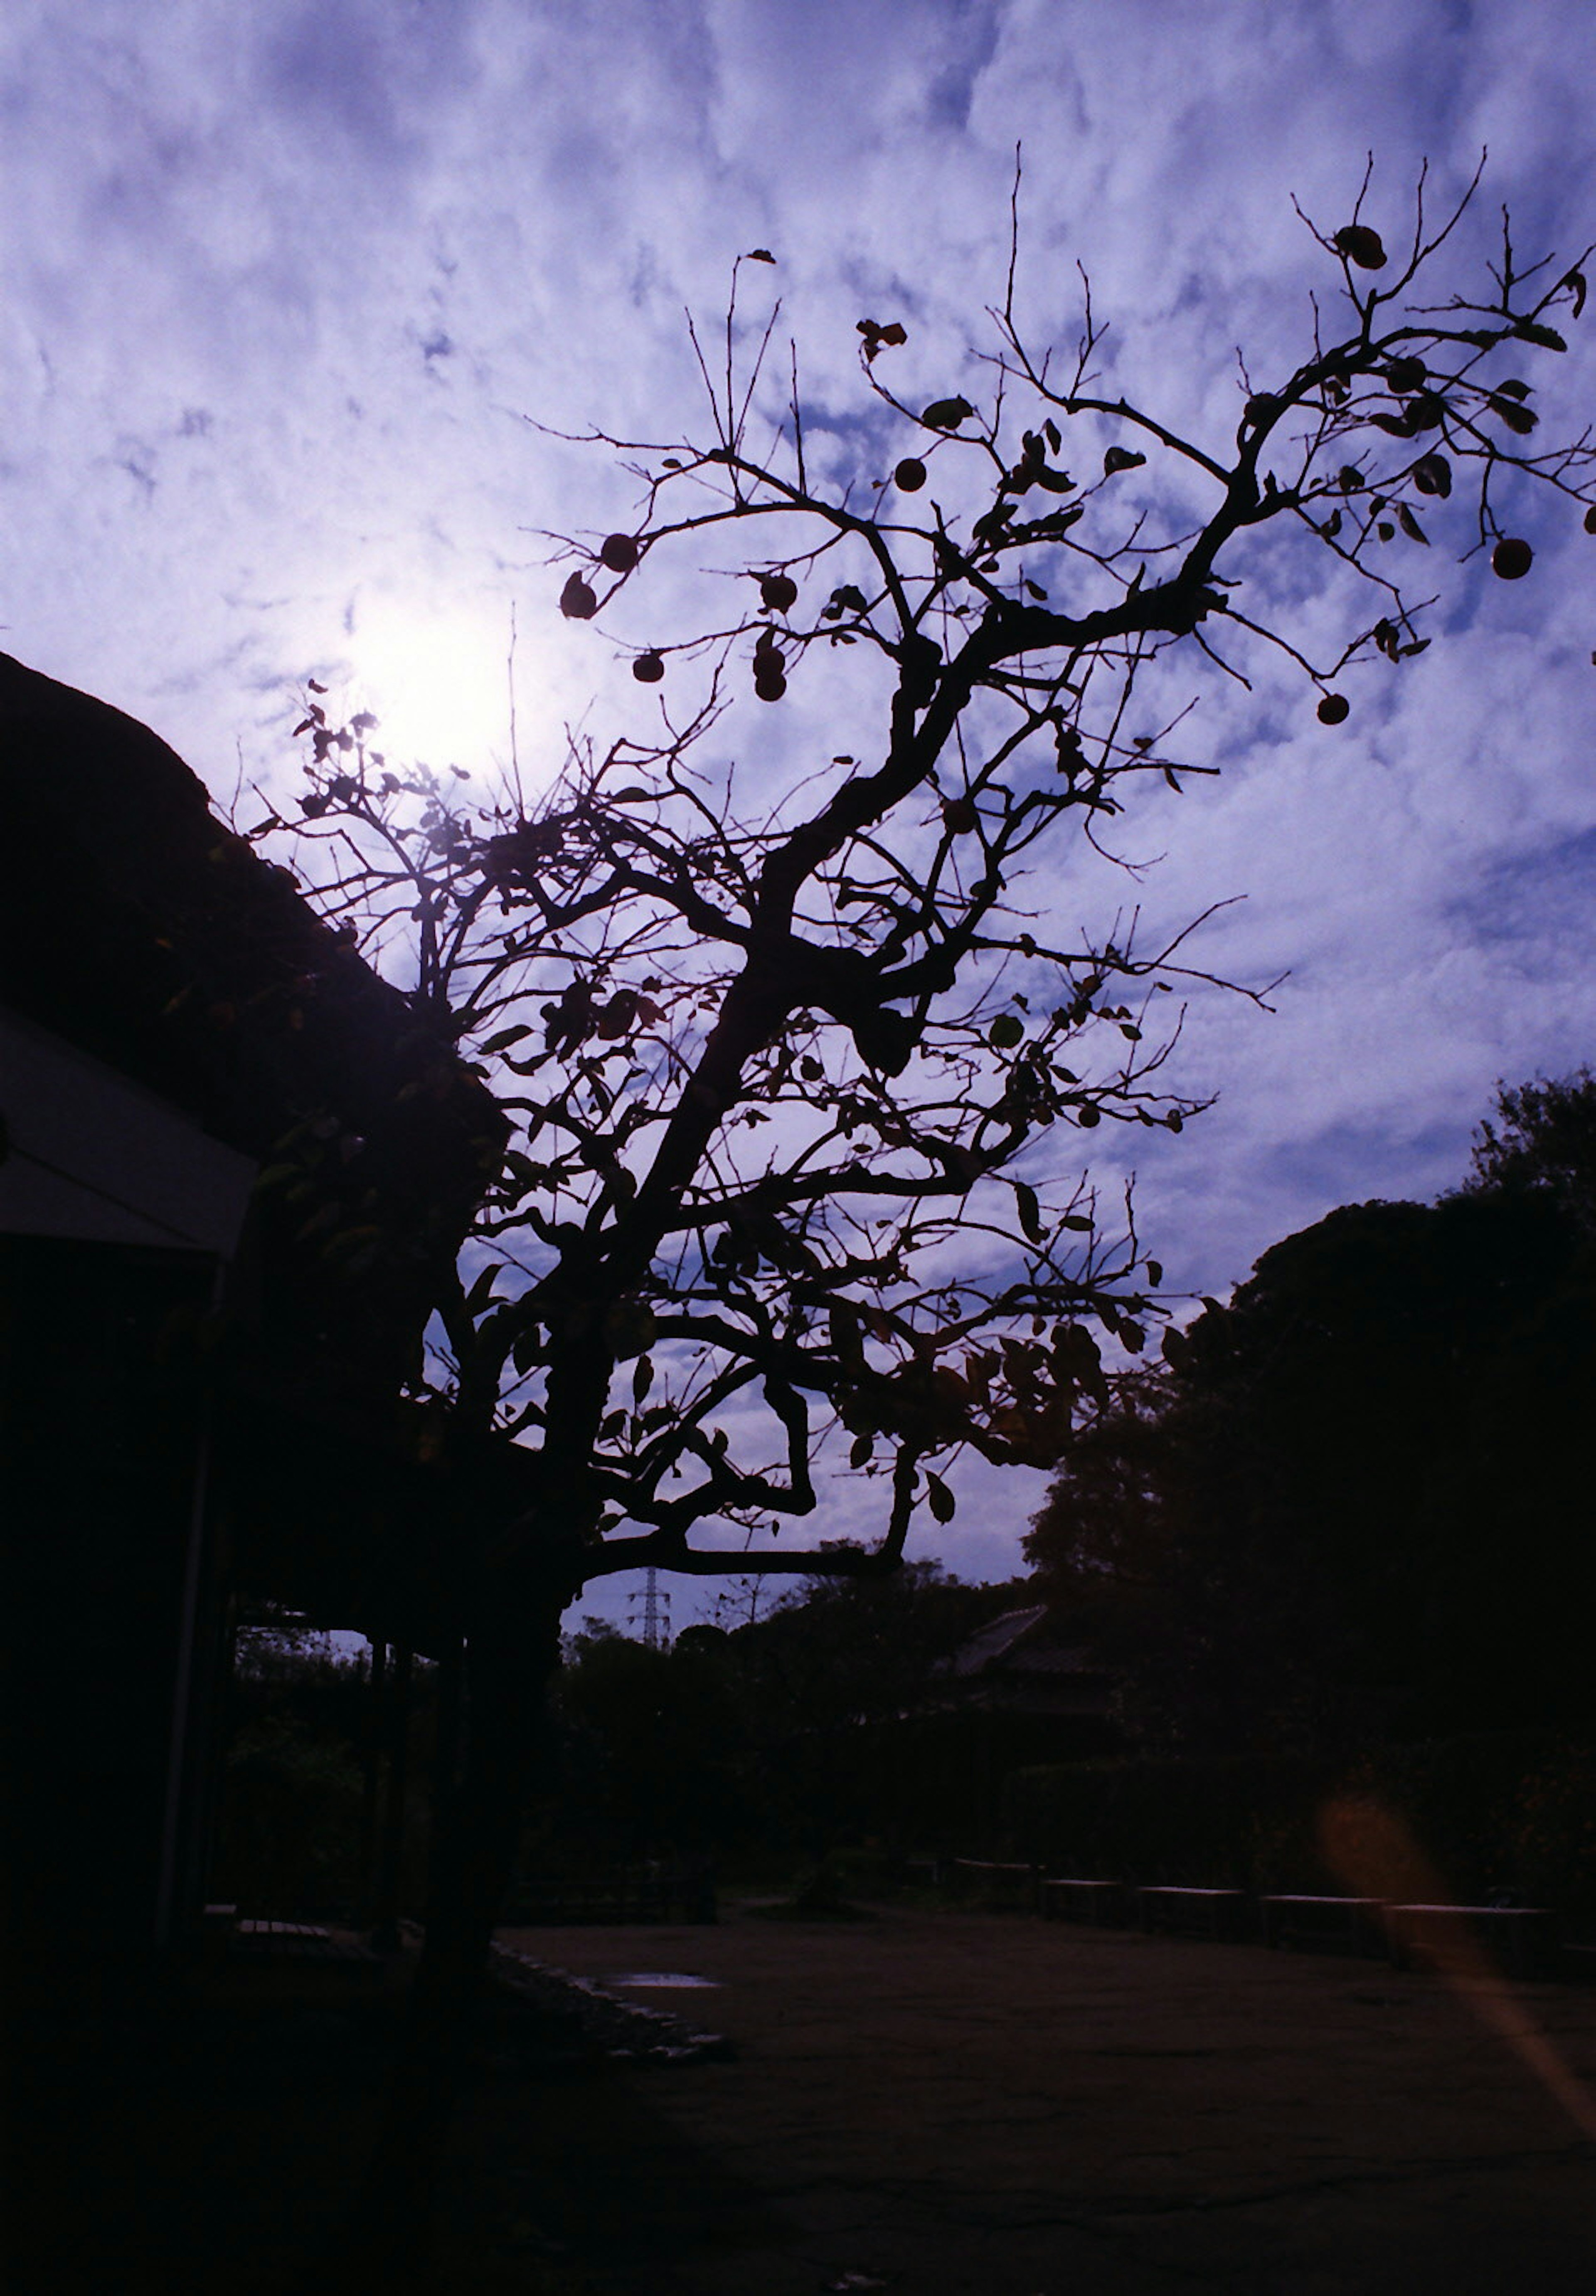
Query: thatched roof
137, 927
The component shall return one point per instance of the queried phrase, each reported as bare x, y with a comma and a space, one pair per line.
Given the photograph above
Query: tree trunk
504, 1664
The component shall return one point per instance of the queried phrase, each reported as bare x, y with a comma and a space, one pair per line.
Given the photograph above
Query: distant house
1038, 1662
1029, 1687
234, 1171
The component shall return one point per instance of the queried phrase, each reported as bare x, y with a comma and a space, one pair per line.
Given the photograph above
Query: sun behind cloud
435, 676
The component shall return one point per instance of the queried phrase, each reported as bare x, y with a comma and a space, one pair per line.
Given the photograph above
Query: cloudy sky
284, 283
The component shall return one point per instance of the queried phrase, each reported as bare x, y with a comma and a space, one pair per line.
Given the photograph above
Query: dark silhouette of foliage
829, 1670
747, 1740
651, 1752
840, 1652
1355, 1492
298, 1788
1542, 1141
774, 1052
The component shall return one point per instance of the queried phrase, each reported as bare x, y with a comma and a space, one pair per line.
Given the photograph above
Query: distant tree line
745, 1737
741, 1740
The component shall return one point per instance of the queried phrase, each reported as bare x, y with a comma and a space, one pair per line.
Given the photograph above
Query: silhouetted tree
775, 1051
653, 1753
1541, 1140
1355, 1494
749, 1737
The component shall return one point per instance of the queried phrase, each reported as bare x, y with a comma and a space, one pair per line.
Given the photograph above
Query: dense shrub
289, 1833
1476, 1816
295, 1836
1237, 1820
1553, 1830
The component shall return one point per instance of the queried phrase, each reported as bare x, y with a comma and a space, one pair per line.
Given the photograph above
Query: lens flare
1373, 1852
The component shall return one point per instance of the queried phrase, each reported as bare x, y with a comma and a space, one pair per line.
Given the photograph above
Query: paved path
969, 2105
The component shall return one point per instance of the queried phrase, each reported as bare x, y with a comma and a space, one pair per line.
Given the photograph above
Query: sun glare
435, 679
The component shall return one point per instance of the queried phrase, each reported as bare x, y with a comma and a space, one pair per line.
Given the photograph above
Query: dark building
236, 1170
1050, 1666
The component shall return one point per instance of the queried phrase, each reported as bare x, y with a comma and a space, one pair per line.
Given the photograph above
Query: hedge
1474, 1816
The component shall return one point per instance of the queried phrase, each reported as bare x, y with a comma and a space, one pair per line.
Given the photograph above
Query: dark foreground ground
954, 2103
939, 2104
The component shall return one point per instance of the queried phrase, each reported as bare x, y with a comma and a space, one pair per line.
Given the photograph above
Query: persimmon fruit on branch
796, 1079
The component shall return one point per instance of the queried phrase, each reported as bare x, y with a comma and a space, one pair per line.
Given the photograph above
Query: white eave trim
95, 1158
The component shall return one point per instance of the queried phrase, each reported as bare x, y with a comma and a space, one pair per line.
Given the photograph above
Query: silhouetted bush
1222, 1821
293, 1836
289, 1833
1486, 1813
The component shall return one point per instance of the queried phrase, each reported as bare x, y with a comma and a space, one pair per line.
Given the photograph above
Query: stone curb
621, 2028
